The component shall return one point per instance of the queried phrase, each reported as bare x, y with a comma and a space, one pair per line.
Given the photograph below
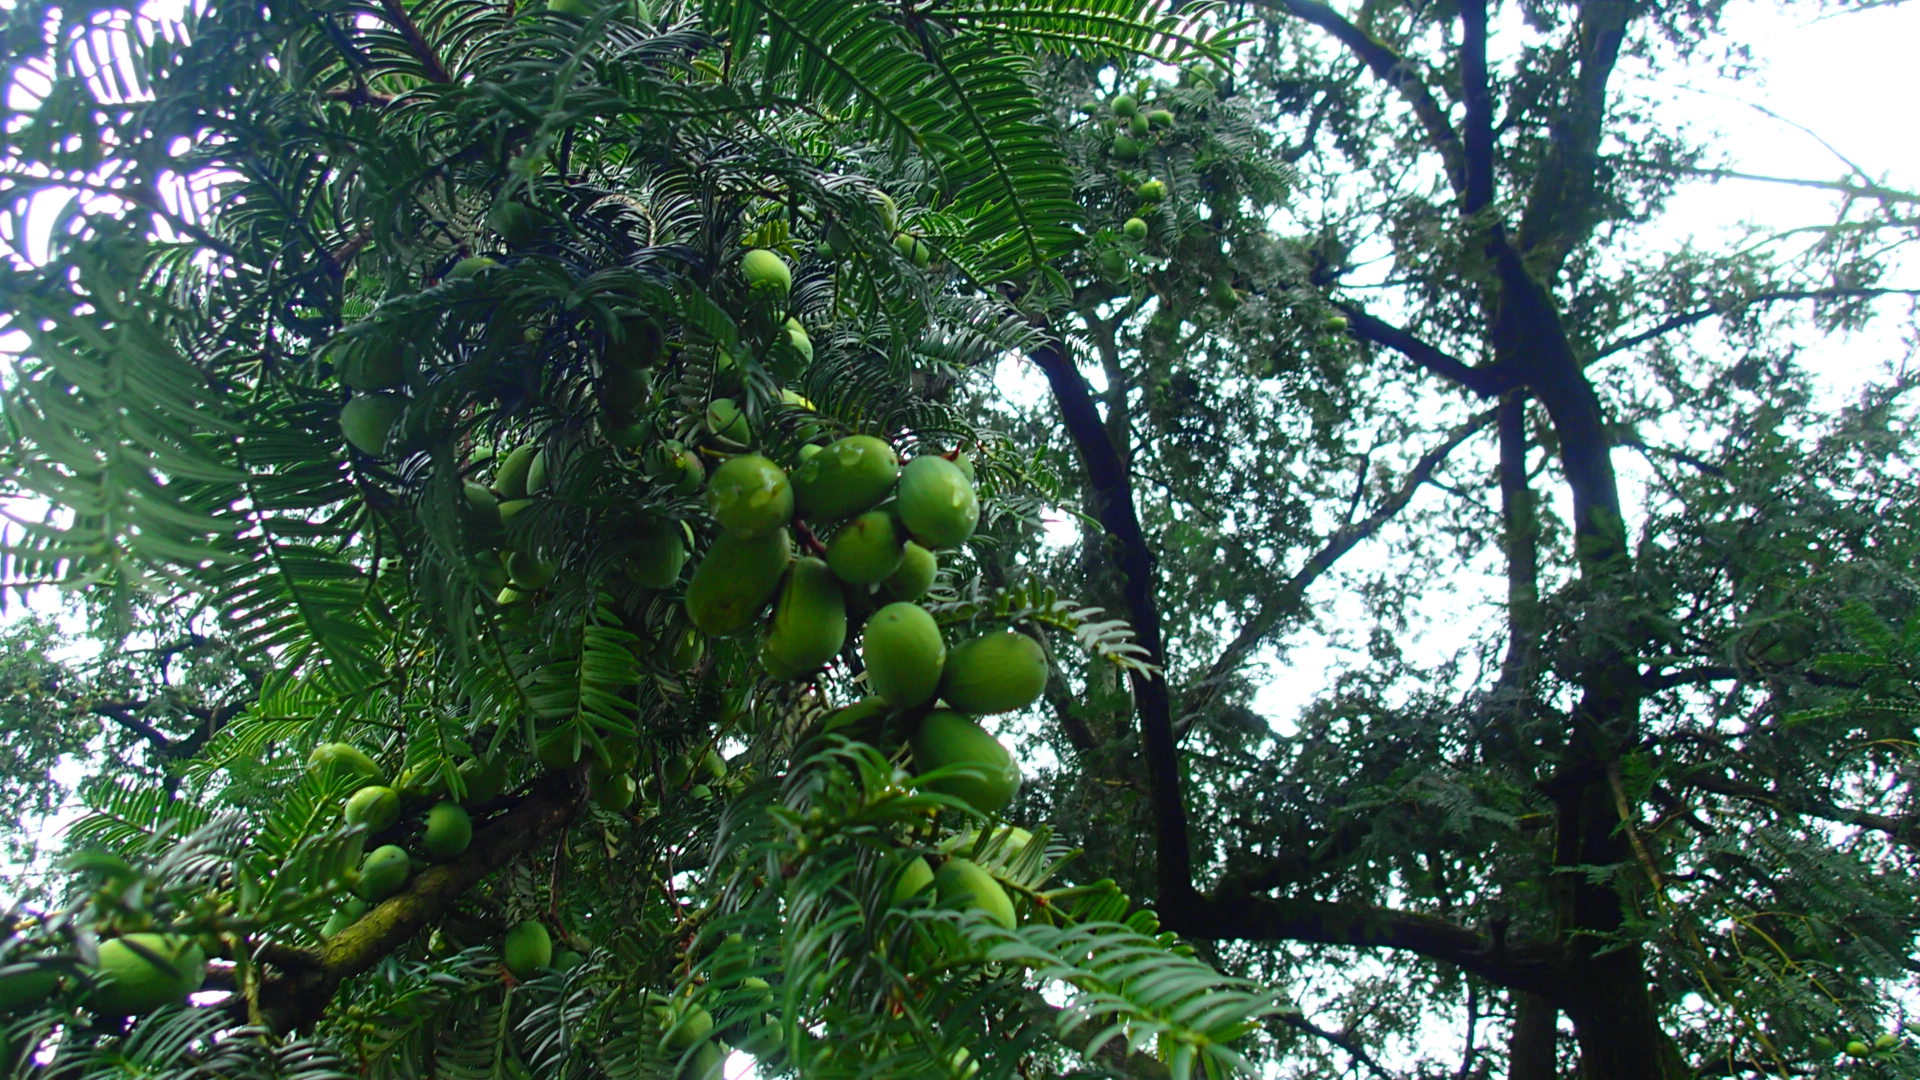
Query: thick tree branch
1202, 693
1484, 381
1904, 828
1112, 490
1394, 70
1479, 108
1236, 916
309, 979
1562, 206
1688, 318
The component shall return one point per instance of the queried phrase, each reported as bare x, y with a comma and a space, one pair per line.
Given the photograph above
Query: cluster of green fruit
1883, 1044
1133, 124
446, 831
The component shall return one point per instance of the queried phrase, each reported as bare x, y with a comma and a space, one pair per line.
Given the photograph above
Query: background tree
376, 352
1650, 790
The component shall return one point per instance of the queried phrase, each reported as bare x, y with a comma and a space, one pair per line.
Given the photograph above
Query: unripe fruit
857, 718
139, 973
510, 479
994, 673
766, 272
1137, 126
483, 505
1335, 324
889, 210
809, 619
1151, 190
1160, 118
375, 807
624, 393
1126, 148
1125, 105
1885, 1041
736, 579
916, 876
484, 779
449, 831
579, 9
963, 883
687, 651
368, 420
615, 793
559, 748
728, 423
530, 573
640, 345
21, 990
750, 494
527, 948
513, 221
944, 737
374, 368
1135, 229
330, 762
1114, 265
344, 916
915, 575
913, 249
679, 468
936, 502
471, 266
904, 653
798, 339
1858, 1049
660, 552
866, 549
383, 873
846, 477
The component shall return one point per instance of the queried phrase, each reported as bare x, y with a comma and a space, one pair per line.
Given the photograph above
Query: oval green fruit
688, 647
639, 345
660, 551
449, 831
139, 973
915, 574
679, 468
624, 393
1858, 1049
809, 619
1125, 105
889, 210
728, 423
514, 221
510, 479
25, 985
914, 878
368, 420
527, 948
1151, 190
1137, 126
1160, 118
383, 873
750, 494
372, 367
766, 272
484, 778
866, 549
559, 748
1135, 228
733, 583
471, 266
798, 340
904, 653
1126, 148
530, 573
936, 502
374, 806
343, 916
944, 737
848, 476
615, 792
331, 762
964, 883
537, 473
994, 673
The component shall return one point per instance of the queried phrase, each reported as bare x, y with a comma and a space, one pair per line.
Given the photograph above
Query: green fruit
375, 807
420, 781
483, 505
944, 737
579, 9
728, 423
615, 793
490, 570
1335, 324
527, 948
679, 468
471, 266
1160, 118
1885, 1041
514, 221
1125, 105
139, 973
1856, 1048
24, 986
640, 345
797, 338
567, 960
660, 552
809, 619
537, 473
936, 502
484, 779
511, 508
713, 764
624, 392
559, 748
915, 877
530, 573
1126, 148
889, 210
510, 479
383, 873
368, 420
736, 579
1151, 191
913, 249
1006, 843
857, 718
1137, 126
994, 673
766, 272
750, 494
915, 575
866, 549
331, 762
708, 1062
343, 916
963, 883
1135, 229
846, 477
371, 368
686, 1025
801, 430
449, 831
1114, 265
903, 653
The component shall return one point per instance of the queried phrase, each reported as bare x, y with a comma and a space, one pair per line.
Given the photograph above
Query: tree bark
1531, 1049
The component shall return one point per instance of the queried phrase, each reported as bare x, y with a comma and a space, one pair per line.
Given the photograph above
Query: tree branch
1479, 121
1688, 318
1561, 208
1851, 190
416, 41
1484, 381
1203, 692
1905, 828
309, 979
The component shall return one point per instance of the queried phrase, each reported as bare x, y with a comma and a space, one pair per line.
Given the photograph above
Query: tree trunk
1530, 1050
1615, 1023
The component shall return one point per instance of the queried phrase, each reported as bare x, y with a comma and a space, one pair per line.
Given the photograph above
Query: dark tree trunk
1531, 1049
